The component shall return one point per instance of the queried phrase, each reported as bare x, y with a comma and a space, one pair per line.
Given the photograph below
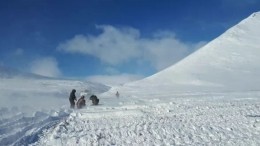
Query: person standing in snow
81, 102
72, 98
117, 94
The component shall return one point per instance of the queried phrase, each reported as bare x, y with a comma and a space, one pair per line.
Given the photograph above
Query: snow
229, 62
209, 119
212, 97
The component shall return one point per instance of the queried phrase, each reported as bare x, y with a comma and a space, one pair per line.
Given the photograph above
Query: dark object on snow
117, 94
72, 98
81, 102
94, 99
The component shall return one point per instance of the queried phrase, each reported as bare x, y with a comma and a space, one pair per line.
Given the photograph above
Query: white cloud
164, 51
113, 80
47, 66
116, 46
113, 46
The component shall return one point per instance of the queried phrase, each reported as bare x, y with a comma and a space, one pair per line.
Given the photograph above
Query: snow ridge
229, 62
7, 73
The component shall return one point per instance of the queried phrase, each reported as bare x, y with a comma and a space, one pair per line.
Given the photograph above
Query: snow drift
31, 104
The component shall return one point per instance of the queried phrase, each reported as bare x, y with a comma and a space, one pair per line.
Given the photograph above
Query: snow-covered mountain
229, 62
142, 114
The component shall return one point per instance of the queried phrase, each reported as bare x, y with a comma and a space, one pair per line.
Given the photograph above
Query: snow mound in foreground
180, 121
18, 128
31, 106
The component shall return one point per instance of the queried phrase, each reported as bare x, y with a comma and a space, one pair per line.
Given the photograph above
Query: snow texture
212, 97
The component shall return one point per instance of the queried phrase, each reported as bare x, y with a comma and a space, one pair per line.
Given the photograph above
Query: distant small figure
72, 98
81, 102
117, 94
94, 99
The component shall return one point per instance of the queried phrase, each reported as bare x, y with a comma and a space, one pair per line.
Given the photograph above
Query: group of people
81, 102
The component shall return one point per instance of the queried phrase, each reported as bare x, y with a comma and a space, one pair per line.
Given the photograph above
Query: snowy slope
229, 62
195, 107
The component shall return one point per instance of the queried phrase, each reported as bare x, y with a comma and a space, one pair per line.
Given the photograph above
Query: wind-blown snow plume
46, 66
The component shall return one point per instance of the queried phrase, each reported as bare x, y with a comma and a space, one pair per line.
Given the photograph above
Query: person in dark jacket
94, 99
72, 98
81, 102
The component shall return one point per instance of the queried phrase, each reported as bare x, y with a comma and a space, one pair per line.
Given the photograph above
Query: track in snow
179, 122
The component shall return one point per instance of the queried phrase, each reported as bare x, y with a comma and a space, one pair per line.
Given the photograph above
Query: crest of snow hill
231, 62
8, 73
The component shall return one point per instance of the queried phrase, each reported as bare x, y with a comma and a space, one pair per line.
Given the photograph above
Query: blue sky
110, 39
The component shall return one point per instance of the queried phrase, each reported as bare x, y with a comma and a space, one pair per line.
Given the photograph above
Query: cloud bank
47, 66
116, 46
112, 80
